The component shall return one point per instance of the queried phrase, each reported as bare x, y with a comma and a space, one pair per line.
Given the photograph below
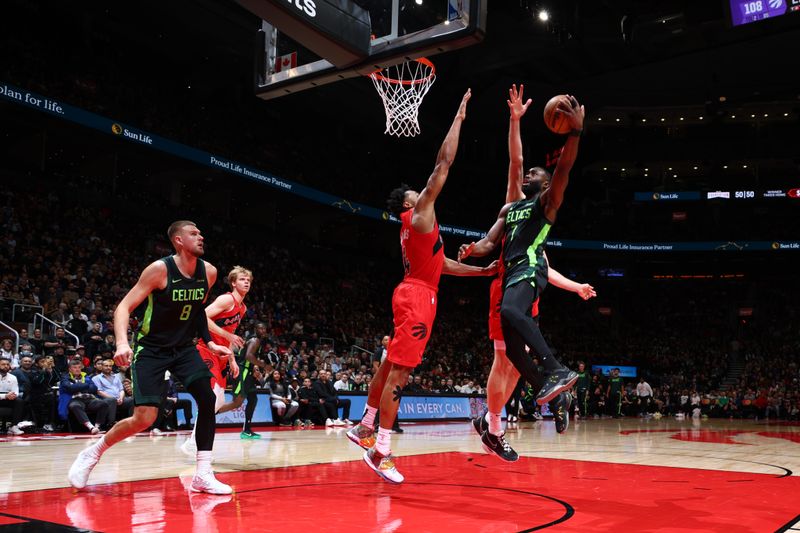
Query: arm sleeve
202, 327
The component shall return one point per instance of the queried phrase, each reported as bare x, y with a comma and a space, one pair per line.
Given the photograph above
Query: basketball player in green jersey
523, 225
245, 385
614, 394
175, 288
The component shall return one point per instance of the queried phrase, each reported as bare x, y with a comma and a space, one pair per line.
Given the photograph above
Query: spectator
110, 390
311, 409
37, 342
59, 340
43, 400
281, 397
271, 357
331, 401
449, 387
380, 354
108, 346
343, 382
77, 397
358, 383
60, 315
7, 352
9, 396
78, 323
93, 340
24, 375
645, 394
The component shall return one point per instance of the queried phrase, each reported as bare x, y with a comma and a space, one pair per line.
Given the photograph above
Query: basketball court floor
602, 475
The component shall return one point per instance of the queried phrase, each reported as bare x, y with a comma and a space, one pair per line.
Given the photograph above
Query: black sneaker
480, 424
556, 383
498, 446
559, 406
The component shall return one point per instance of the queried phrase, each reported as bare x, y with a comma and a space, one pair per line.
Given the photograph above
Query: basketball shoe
383, 465
480, 424
556, 383
362, 435
206, 482
559, 406
84, 464
497, 445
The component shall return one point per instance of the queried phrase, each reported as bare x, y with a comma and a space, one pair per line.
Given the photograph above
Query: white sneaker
94, 430
156, 432
347, 422
14, 430
79, 471
48, 427
206, 482
189, 447
329, 422
339, 422
383, 465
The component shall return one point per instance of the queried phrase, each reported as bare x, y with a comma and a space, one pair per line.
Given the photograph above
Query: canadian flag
286, 62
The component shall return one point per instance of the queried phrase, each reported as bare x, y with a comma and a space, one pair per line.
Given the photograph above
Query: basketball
556, 122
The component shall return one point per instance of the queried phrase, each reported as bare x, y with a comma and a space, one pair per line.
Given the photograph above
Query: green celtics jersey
170, 315
526, 230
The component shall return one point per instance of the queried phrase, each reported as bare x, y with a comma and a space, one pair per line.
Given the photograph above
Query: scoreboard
747, 11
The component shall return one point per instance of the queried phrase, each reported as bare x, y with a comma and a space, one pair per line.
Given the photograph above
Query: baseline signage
411, 408
433, 407
666, 196
128, 133
624, 371
262, 414
691, 196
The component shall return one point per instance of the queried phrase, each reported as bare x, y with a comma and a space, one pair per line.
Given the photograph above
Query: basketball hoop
402, 88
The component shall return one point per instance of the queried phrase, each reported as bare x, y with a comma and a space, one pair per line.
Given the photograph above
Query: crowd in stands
324, 323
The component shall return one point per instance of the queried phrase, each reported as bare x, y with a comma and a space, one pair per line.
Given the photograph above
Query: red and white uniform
415, 298
496, 301
228, 321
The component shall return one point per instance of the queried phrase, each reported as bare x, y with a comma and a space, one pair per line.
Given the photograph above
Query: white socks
98, 448
495, 423
384, 441
369, 417
203, 462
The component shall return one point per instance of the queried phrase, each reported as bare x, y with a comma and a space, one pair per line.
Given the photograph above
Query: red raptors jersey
228, 321
423, 253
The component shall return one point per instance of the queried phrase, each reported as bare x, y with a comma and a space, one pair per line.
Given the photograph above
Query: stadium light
544, 16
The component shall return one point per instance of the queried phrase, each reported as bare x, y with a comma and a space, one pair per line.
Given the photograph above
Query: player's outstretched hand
220, 350
491, 270
123, 355
462, 109
515, 105
586, 291
465, 250
236, 341
572, 110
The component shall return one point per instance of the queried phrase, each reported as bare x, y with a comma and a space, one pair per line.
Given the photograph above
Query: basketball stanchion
402, 88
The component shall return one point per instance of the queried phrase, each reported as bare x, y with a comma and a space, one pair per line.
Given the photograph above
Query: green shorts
150, 364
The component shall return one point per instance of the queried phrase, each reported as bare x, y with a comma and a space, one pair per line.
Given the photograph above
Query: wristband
575, 133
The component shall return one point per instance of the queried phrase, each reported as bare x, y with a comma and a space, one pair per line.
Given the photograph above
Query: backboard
400, 30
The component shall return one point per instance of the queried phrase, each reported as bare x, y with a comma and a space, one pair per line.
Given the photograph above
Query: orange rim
376, 75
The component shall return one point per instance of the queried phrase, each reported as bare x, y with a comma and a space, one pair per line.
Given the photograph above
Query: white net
402, 88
